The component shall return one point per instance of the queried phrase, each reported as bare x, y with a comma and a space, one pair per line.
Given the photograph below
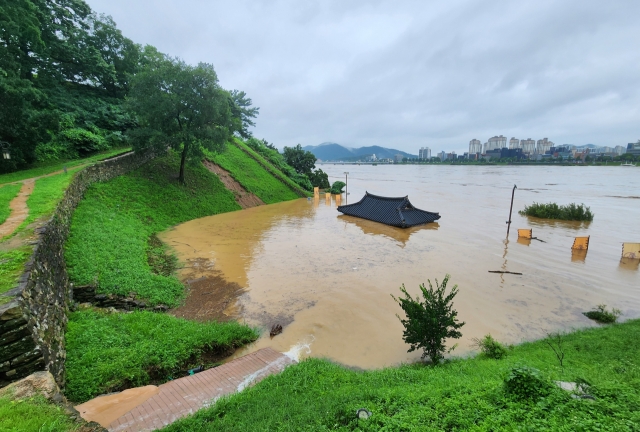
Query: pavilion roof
398, 212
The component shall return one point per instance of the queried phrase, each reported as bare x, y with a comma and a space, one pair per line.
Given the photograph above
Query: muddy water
327, 278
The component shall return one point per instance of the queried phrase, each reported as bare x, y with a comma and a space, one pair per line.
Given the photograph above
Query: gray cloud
406, 74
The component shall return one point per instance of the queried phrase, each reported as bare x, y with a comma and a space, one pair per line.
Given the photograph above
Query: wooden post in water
511, 209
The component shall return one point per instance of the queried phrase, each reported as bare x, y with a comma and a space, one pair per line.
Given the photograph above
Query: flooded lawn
327, 278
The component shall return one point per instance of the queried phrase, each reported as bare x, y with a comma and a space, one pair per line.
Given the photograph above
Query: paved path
178, 398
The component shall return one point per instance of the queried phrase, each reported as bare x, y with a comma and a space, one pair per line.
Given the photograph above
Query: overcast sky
408, 74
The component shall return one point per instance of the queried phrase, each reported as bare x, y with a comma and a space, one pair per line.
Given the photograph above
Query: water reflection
554, 223
629, 264
578, 255
401, 235
524, 241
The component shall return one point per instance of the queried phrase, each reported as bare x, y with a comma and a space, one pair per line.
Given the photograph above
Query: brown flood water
327, 278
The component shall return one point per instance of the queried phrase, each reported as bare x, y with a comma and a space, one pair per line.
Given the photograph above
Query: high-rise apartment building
528, 146
442, 155
496, 142
543, 146
475, 146
424, 153
514, 143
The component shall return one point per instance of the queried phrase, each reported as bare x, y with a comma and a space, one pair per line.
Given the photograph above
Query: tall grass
460, 395
11, 266
108, 352
112, 226
554, 211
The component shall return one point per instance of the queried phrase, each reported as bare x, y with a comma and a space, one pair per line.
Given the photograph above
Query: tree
431, 321
319, 178
301, 160
184, 107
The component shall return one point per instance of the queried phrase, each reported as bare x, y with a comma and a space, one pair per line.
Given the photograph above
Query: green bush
82, 142
272, 155
431, 321
602, 315
111, 351
490, 348
524, 382
554, 211
337, 187
319, 179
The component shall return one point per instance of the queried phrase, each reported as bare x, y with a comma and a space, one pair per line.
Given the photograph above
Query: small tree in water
431, 321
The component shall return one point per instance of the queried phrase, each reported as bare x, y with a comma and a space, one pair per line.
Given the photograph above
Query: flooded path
327, 278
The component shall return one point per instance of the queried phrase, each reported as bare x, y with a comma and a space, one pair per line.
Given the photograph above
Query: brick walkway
178, 398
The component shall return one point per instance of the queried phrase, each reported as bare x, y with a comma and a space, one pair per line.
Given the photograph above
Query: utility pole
511, 209
346, 185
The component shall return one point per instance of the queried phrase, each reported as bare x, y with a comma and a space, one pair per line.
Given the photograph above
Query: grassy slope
273, 169
107, 351
49, 168
33, 415
7, 193
252, 176
458, 395
111, 227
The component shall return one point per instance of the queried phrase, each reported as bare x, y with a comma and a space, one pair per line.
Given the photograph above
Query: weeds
602, 315
555, 341
490, 348
554, 211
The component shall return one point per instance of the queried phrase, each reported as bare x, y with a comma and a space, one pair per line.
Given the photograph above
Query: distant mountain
331, 151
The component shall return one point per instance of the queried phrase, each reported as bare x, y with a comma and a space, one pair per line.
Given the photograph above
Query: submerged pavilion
398, 212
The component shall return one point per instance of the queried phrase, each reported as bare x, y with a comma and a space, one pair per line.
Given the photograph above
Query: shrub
431, 321
554, 211
337, 187
82, 142
602, 315
524, 382
490, 348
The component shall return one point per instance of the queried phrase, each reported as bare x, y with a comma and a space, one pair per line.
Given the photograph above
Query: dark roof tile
397, 212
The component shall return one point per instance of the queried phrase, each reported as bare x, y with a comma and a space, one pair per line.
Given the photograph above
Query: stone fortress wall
33, 322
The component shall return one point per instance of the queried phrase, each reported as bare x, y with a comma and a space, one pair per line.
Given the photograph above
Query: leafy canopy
430, 321
184, 107
301, 160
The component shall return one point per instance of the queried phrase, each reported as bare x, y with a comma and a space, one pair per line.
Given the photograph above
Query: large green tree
184, 107
302, 161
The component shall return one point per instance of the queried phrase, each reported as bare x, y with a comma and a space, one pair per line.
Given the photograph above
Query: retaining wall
33, 323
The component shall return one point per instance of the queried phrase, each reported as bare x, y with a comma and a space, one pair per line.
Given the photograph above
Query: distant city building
543, 146
528, 145
475, 146
514, 143
504, 153
633, 148
496, 142
452, 156
619, 150
424, 153
442, 155
398, 158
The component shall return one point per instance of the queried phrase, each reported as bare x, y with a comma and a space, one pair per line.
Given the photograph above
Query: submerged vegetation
515, 393
602, 315
572, 211
112, 351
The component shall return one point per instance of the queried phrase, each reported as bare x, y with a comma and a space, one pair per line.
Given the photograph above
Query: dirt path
243, 197
19, 209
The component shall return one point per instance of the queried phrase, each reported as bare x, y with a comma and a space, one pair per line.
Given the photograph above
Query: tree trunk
183, 159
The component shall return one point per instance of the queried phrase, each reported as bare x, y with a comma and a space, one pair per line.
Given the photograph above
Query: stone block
26, 357
13, 350
11, 324
13, 335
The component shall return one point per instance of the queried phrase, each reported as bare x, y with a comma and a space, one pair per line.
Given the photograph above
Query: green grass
33, 415
12, 265
48, 168
112, 226
109, 352
252, 176
7, 193
554, 211
463, 394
